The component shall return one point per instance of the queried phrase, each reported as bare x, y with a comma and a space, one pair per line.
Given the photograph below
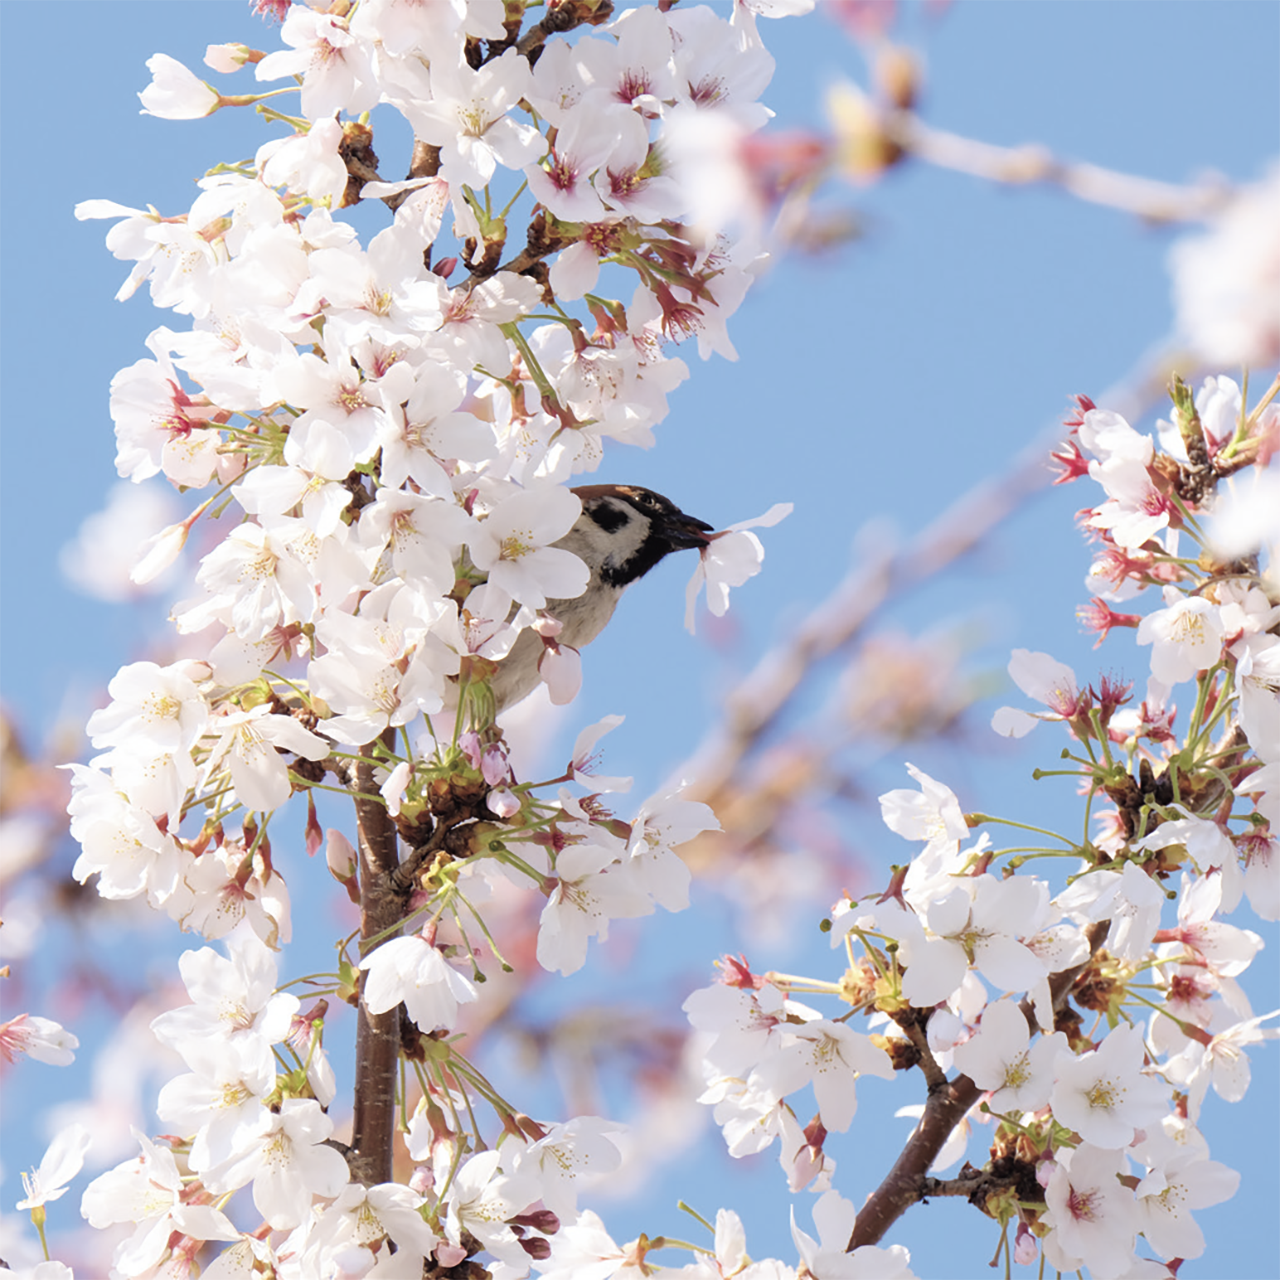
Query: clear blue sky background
876, 384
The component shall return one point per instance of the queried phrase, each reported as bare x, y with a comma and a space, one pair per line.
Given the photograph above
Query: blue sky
874, 386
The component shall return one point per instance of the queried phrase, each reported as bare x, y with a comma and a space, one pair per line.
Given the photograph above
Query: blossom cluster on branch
383, 436
1082, 1027
388, 431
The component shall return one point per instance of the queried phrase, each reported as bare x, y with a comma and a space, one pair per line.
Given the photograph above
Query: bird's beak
683, 531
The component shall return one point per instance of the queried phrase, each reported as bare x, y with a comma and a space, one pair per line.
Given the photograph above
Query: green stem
1024, 826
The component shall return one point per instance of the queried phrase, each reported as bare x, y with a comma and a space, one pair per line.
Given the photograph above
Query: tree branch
947, 1104
1158, 202
759, 702
377, 1035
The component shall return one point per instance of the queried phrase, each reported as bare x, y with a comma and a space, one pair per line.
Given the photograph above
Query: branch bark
947, 1104
377, 1035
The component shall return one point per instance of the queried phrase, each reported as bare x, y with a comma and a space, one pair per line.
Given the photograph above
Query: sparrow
623, 531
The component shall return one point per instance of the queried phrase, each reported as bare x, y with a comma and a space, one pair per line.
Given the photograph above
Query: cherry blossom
234, 1003
148, 1192
364, 1218
153, 709
175, 93
393, 455
568, 1156
39, 1038
1167, 1195
1221, 1062
250, 743
831, 1057
826, 1258
412, 971
221, 1104
1224, 280
1092, 1214
334, 65
1186, 636
592, 887
1130, 899
513, 544
1000, 1057
480, 1199
564, 182
1046, 680
62, 1160
1104, 1095
285, 1158
728, 560
745, 1026
584, 1250
932, 814
120, 841
971, 925
468, 118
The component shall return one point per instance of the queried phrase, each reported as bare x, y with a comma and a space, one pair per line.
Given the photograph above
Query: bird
623, 532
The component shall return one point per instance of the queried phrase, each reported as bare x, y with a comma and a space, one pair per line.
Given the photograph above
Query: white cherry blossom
568, 1158
40, 1038
592, 887
1001, 1058
1167, 1196
285, 1158
147, 1192
828, 1258
830, 1056
62, 1160
176, 93
334, 65
1091, 1213
468, 117
1104, 1095
728, 560
412, 971
1186, 636
513, 545
234, 1002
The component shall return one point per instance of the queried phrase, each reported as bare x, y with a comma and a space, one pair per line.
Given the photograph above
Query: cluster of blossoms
1085, 1025
397, 451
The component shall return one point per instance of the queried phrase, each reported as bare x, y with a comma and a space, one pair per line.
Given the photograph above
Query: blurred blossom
97, 561
1247, 515
904, 686
1226, 281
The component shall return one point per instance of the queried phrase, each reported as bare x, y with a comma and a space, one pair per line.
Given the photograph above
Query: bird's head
626, 529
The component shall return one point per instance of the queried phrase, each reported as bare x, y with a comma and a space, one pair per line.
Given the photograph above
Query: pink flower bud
502, 803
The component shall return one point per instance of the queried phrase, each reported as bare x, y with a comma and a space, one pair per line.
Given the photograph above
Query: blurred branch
760, 701
1033, 163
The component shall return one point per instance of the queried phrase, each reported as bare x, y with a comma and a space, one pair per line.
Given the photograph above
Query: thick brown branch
562, 16
946, 1105
943, 1110
377, 1035
934, 1076
936, 1188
